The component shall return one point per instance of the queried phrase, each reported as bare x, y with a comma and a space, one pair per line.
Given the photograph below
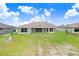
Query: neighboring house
73, 28
36, 27
61, 28
6, 28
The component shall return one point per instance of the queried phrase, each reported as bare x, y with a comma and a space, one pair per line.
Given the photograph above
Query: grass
2, 38
27, 44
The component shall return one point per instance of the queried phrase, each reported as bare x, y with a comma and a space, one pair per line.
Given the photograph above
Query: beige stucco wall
70, 30
18, 30
60, 29
29, 30
33, 30
44, 30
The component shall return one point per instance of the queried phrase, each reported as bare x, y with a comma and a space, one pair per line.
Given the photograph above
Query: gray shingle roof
38, 25
5, 26
61, 26
75, 25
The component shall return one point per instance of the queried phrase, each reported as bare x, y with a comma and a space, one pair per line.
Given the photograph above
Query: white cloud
26, 9
38, 18
10, 18
72, 12
3, 11
76, 6
52, 9
14, 13
34, 12
13, 18
15, 21
29, 10
34, 19
5, 14
40, 9
47, 13
3, 7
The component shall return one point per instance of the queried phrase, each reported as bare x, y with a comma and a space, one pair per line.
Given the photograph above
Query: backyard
39, 44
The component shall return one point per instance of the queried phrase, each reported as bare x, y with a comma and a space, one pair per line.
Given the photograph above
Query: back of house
72, 28
36, 27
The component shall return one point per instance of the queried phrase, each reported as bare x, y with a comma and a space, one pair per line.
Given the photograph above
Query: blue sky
24, 13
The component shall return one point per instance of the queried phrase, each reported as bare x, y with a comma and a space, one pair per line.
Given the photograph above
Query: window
1, 28
23, 29
38, 29
51, 29
76, 30
47, 29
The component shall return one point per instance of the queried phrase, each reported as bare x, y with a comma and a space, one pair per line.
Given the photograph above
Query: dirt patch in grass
60, 50
8, 39
68, 50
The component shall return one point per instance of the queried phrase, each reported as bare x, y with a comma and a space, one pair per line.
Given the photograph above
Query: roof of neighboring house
74, 25
38, 25
5, 26
61, 26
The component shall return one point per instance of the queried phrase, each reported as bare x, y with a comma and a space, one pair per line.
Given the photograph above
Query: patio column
29, 30
48, 29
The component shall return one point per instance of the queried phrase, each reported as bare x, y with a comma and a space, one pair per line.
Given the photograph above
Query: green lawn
28, 44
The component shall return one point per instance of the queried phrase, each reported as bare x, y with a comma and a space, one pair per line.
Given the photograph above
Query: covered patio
42, 29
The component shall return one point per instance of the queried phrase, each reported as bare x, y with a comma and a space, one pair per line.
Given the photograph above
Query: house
36, 27
73, 28
61, 28
6, 28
